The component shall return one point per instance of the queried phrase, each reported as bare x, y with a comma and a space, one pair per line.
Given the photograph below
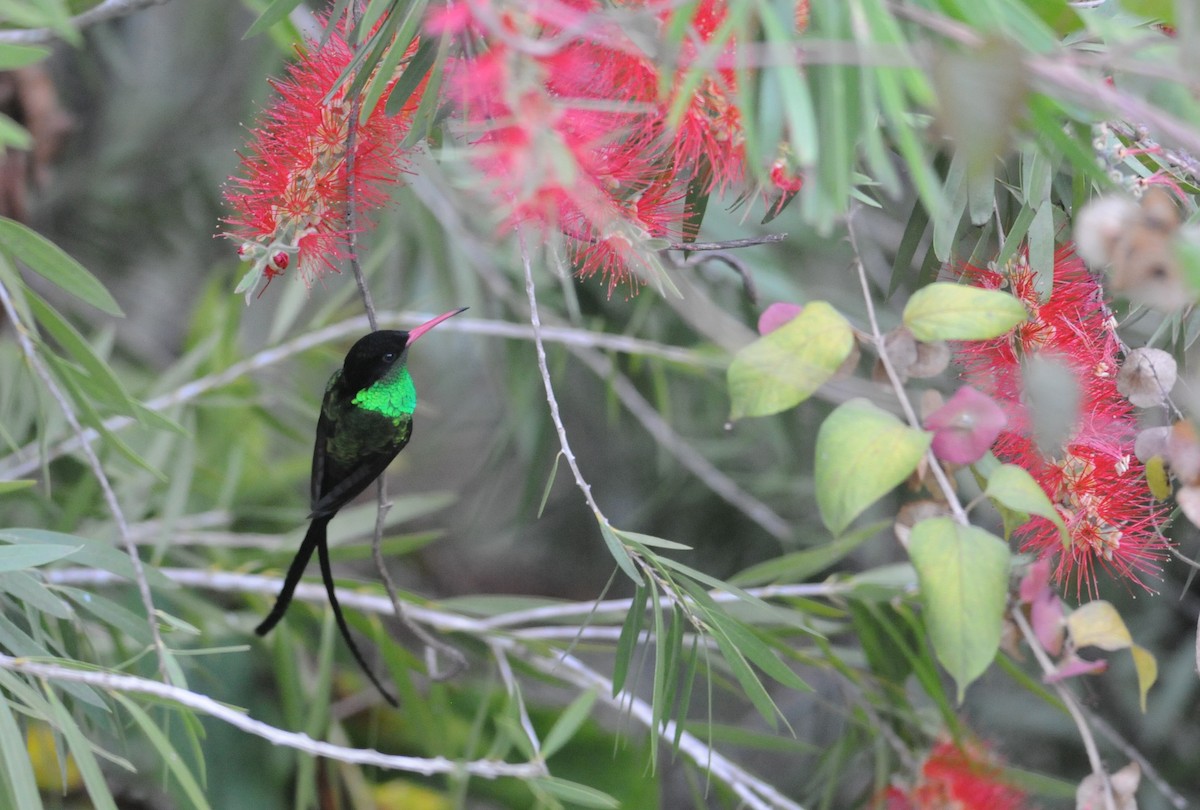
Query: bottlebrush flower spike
1094, 479
289, 200
569, 122
954, 778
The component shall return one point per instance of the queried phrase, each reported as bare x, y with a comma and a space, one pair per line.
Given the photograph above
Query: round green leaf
947, 311
863, 452
783, 368
963, 575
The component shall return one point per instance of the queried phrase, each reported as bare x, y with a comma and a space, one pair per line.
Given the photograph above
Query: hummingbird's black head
373, 356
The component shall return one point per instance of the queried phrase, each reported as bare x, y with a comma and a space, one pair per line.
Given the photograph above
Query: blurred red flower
1094, 480
954, 778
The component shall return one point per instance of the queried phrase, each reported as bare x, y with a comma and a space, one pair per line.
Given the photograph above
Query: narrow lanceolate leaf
963, 575
863, 452
17, 558
14, 758
619, 552
575, 793
89, 768
166, 753
782, 369
52, 263
947, 311
568, 723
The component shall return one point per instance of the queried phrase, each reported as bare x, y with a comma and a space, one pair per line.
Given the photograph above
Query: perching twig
110, 497
753, 791
109, 681
440, 620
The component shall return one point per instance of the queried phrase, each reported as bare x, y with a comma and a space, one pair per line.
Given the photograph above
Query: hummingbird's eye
389, 357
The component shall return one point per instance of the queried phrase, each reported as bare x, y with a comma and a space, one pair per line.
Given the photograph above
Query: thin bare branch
440, 620
910, 413
26, 461
1072, 706
109, 681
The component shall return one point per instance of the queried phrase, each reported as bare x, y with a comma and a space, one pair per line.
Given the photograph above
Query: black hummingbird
366, 420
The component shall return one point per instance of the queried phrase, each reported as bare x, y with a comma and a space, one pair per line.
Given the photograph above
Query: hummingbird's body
365, 421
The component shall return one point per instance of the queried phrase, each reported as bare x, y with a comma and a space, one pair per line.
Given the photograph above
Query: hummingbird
366, 420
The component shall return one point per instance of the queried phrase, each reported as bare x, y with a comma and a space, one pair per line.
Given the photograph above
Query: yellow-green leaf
782, 369
1015, 488
948, 311
1097, 624
1156, 478
963, 573
863, 452
1146, 666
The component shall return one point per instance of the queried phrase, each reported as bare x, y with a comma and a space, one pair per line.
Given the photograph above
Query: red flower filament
291, 196
1093, 479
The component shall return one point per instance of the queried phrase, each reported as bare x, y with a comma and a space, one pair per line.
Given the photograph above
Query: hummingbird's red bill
417, 331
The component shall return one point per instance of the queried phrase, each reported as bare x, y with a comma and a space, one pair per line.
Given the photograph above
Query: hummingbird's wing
352, 449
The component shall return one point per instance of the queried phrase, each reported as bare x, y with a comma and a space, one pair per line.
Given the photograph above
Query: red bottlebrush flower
954, 778
1093, 479
569, 123
290, 198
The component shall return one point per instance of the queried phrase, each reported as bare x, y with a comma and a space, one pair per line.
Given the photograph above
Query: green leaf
166, 753
631, 629
93, 553
784, 368
1015, 488
278, 10
1162, 10
862, 453
575, 793
13, 134
81, 749
947, 311
80, 349
757, 651
619, 552
650, 540
20, 557
963, 573
568, 722
29, 590
52, 263
18, 769
799, 565
16, 485
17, 56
